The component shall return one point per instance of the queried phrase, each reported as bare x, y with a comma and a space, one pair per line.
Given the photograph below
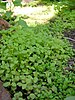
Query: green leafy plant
70, 3
33, 59
32, 62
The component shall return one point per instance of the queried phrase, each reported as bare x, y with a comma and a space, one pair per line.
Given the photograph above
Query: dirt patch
71, 37
70, 65
4, 94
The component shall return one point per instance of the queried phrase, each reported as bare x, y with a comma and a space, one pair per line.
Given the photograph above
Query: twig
71, 39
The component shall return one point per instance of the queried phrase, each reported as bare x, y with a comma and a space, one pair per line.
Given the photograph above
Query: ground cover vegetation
34, 59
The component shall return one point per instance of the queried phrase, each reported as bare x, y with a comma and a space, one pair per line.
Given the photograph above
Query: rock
4, 24
26, 1
4, 94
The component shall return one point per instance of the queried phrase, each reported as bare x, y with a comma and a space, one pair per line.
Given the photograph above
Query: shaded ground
71, 37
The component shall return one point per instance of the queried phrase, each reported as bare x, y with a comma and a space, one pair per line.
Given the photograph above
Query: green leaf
32, 96
24, 86
14, 84
54, 88
35, 79
19, 84
1, 72
17, 3
20, 93
22, 23
49, 80
6, 84
17, 78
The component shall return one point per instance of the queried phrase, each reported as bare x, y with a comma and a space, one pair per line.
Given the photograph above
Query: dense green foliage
32, 63
33, 59
70, 3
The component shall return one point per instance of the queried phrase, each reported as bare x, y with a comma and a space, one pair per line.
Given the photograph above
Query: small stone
4, 24
4, 94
